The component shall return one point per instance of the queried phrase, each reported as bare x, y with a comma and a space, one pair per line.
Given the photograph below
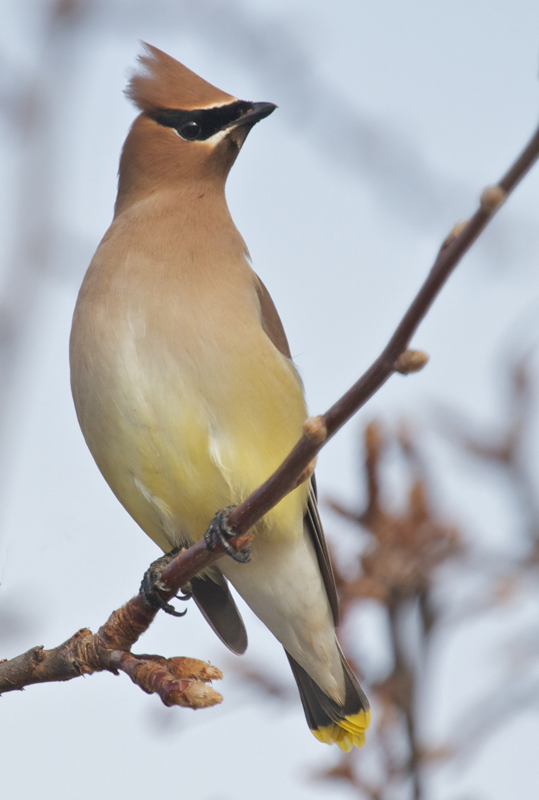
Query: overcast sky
392, 118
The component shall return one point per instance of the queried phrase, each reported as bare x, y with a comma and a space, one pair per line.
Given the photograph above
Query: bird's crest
165, 83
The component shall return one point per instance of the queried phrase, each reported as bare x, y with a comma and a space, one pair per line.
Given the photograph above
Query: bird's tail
330, 722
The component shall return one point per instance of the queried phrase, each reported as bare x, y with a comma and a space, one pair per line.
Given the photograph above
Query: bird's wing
313, 525
212, 596
274, 330
271, 322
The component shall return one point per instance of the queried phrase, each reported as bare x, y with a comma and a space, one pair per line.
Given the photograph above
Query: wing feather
273, 327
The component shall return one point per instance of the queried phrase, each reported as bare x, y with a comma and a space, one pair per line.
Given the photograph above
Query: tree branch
178, 681
184, 681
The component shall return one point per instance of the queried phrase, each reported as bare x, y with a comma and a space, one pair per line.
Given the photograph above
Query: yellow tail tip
346, 733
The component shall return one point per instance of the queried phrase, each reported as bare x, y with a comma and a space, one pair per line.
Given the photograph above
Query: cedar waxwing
185, 389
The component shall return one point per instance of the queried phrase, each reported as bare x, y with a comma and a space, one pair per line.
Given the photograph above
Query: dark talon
151, 583
187, 593
220, 529
169, 609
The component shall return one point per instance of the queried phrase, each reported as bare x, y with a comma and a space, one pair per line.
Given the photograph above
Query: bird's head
188, 131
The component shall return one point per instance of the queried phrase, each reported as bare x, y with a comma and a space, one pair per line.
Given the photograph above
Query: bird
185, 389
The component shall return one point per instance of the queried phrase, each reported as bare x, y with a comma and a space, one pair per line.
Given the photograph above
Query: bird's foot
220, 531
152, 583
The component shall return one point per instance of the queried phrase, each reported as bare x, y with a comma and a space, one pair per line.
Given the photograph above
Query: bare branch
177, 681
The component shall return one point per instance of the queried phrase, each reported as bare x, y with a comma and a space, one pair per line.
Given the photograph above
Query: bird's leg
151, 583
220, 531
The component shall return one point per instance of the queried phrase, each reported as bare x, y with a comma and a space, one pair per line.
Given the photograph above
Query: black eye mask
201, 123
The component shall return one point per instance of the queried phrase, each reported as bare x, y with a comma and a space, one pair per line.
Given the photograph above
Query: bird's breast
183, 400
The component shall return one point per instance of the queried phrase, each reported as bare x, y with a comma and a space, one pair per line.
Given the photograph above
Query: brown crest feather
165, 83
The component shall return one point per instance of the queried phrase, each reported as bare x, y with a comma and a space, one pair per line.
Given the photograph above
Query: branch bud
194, 695
492, 198
315, 429
306, 474
457, 230
410, 361
193, 669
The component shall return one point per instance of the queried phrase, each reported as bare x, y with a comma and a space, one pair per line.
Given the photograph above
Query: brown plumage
165, 83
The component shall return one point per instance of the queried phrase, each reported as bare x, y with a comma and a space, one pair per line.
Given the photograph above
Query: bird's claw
152, 584
220, 531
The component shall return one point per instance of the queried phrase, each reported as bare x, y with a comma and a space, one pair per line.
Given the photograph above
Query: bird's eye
190, 129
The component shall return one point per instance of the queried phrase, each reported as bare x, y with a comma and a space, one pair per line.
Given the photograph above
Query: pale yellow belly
175, 448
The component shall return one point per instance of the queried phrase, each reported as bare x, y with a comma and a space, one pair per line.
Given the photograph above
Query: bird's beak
256, 112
